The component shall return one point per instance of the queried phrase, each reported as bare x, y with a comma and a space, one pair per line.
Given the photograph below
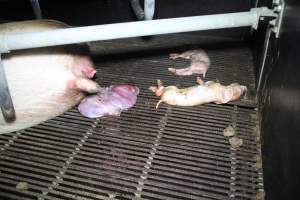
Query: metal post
149, 7
6, 103
36, 8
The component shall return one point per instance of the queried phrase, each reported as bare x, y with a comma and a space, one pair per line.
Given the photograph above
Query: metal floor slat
167, 153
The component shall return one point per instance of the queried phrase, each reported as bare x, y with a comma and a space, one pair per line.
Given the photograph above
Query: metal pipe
265, 53
36, 8
137, 9
6, 103
149, 7
130, 29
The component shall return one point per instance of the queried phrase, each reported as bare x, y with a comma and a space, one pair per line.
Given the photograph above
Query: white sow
45, 82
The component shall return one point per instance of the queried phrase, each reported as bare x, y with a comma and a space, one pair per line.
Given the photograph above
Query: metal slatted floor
169, 153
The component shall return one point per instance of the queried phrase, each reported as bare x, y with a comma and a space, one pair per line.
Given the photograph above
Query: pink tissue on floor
109, 101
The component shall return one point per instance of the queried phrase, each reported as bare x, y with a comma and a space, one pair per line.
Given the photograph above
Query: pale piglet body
200, 62
45, 82
206, 92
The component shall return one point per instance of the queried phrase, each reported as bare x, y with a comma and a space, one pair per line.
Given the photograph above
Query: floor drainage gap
147, 166
233, 157
58, 179
9, 142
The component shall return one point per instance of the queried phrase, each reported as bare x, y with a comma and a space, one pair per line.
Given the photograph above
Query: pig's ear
227, 95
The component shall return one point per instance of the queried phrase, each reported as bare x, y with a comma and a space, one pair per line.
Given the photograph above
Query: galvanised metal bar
251, 18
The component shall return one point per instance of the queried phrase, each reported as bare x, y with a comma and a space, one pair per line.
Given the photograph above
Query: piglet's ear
227, 95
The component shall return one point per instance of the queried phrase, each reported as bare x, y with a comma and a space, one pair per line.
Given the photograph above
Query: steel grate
169, 153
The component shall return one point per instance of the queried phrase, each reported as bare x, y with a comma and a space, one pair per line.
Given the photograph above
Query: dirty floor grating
169, 153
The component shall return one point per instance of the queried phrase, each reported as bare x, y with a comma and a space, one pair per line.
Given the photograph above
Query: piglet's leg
185, 55
159, 84
153, 88
182, 72
84, 84
199, 68
157, 90
200, 81
174, 55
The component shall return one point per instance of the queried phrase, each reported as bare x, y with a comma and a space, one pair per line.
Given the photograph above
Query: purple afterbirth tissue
109, 101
